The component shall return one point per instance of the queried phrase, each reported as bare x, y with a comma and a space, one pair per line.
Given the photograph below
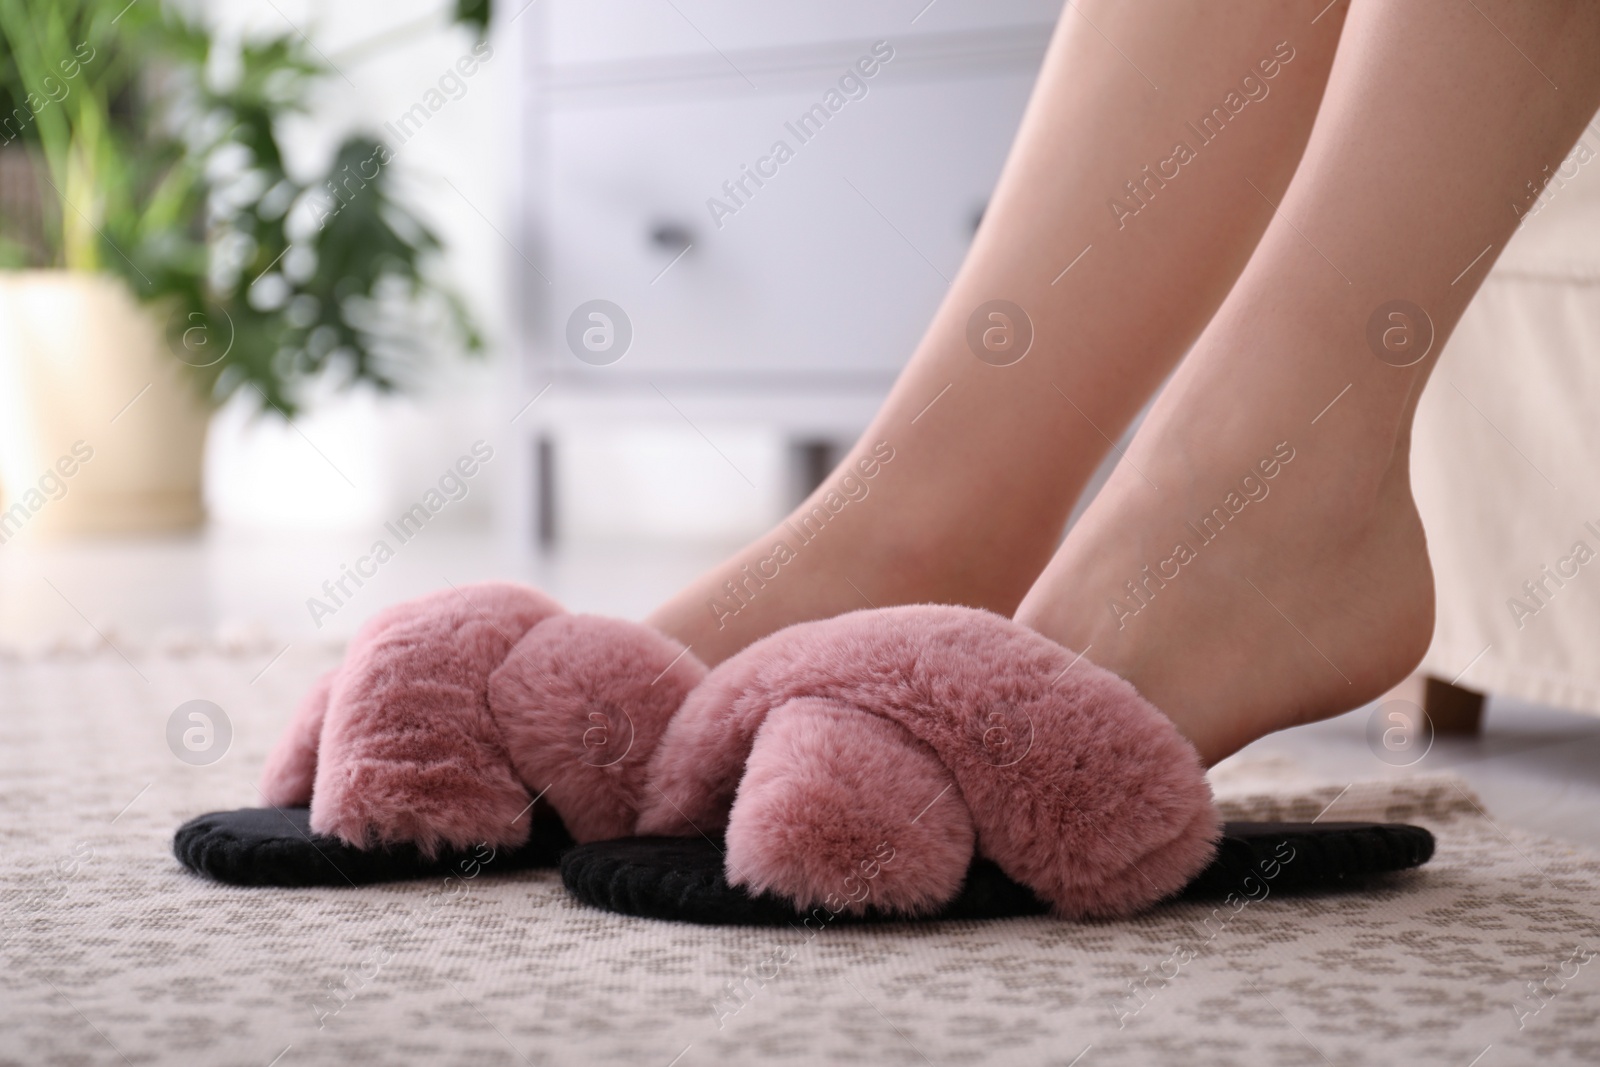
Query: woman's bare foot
959, 490
1247, 575
1257, 561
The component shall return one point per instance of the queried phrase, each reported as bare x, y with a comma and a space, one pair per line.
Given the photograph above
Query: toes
409, 751
582, 702
291, 767
845, 810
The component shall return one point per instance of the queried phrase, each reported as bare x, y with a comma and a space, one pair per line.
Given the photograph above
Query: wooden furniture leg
1451, 709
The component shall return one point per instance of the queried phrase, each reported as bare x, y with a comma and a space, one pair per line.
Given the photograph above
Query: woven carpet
114, 954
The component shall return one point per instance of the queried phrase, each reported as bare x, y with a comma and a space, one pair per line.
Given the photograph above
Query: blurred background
278, 267
309, 308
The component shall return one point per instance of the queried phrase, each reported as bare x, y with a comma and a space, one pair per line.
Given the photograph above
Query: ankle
1311, 595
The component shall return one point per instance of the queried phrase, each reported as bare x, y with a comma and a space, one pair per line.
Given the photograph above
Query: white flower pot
101, 428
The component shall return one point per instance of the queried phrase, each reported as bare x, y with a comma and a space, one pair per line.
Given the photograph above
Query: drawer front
829, 268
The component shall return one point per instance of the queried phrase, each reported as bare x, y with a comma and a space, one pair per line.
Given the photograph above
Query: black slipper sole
681, 879
275, 846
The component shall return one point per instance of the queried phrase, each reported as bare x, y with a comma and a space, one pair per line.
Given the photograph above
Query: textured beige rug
114, 954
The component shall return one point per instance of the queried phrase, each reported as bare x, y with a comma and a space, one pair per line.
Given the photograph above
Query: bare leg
1309, 591
973, 501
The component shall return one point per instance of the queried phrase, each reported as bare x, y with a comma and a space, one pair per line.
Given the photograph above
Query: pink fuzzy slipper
453, 713
862, 762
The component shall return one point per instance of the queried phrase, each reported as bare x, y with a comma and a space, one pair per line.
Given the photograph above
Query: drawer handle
671, 237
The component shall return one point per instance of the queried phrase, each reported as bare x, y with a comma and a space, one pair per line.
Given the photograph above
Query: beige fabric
1506, 459
110, 947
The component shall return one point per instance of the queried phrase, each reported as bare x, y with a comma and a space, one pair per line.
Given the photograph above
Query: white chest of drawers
774, 196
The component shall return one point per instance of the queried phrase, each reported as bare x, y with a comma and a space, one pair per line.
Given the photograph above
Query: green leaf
112, 102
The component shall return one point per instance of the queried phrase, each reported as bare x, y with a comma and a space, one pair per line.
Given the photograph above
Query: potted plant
157, 256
